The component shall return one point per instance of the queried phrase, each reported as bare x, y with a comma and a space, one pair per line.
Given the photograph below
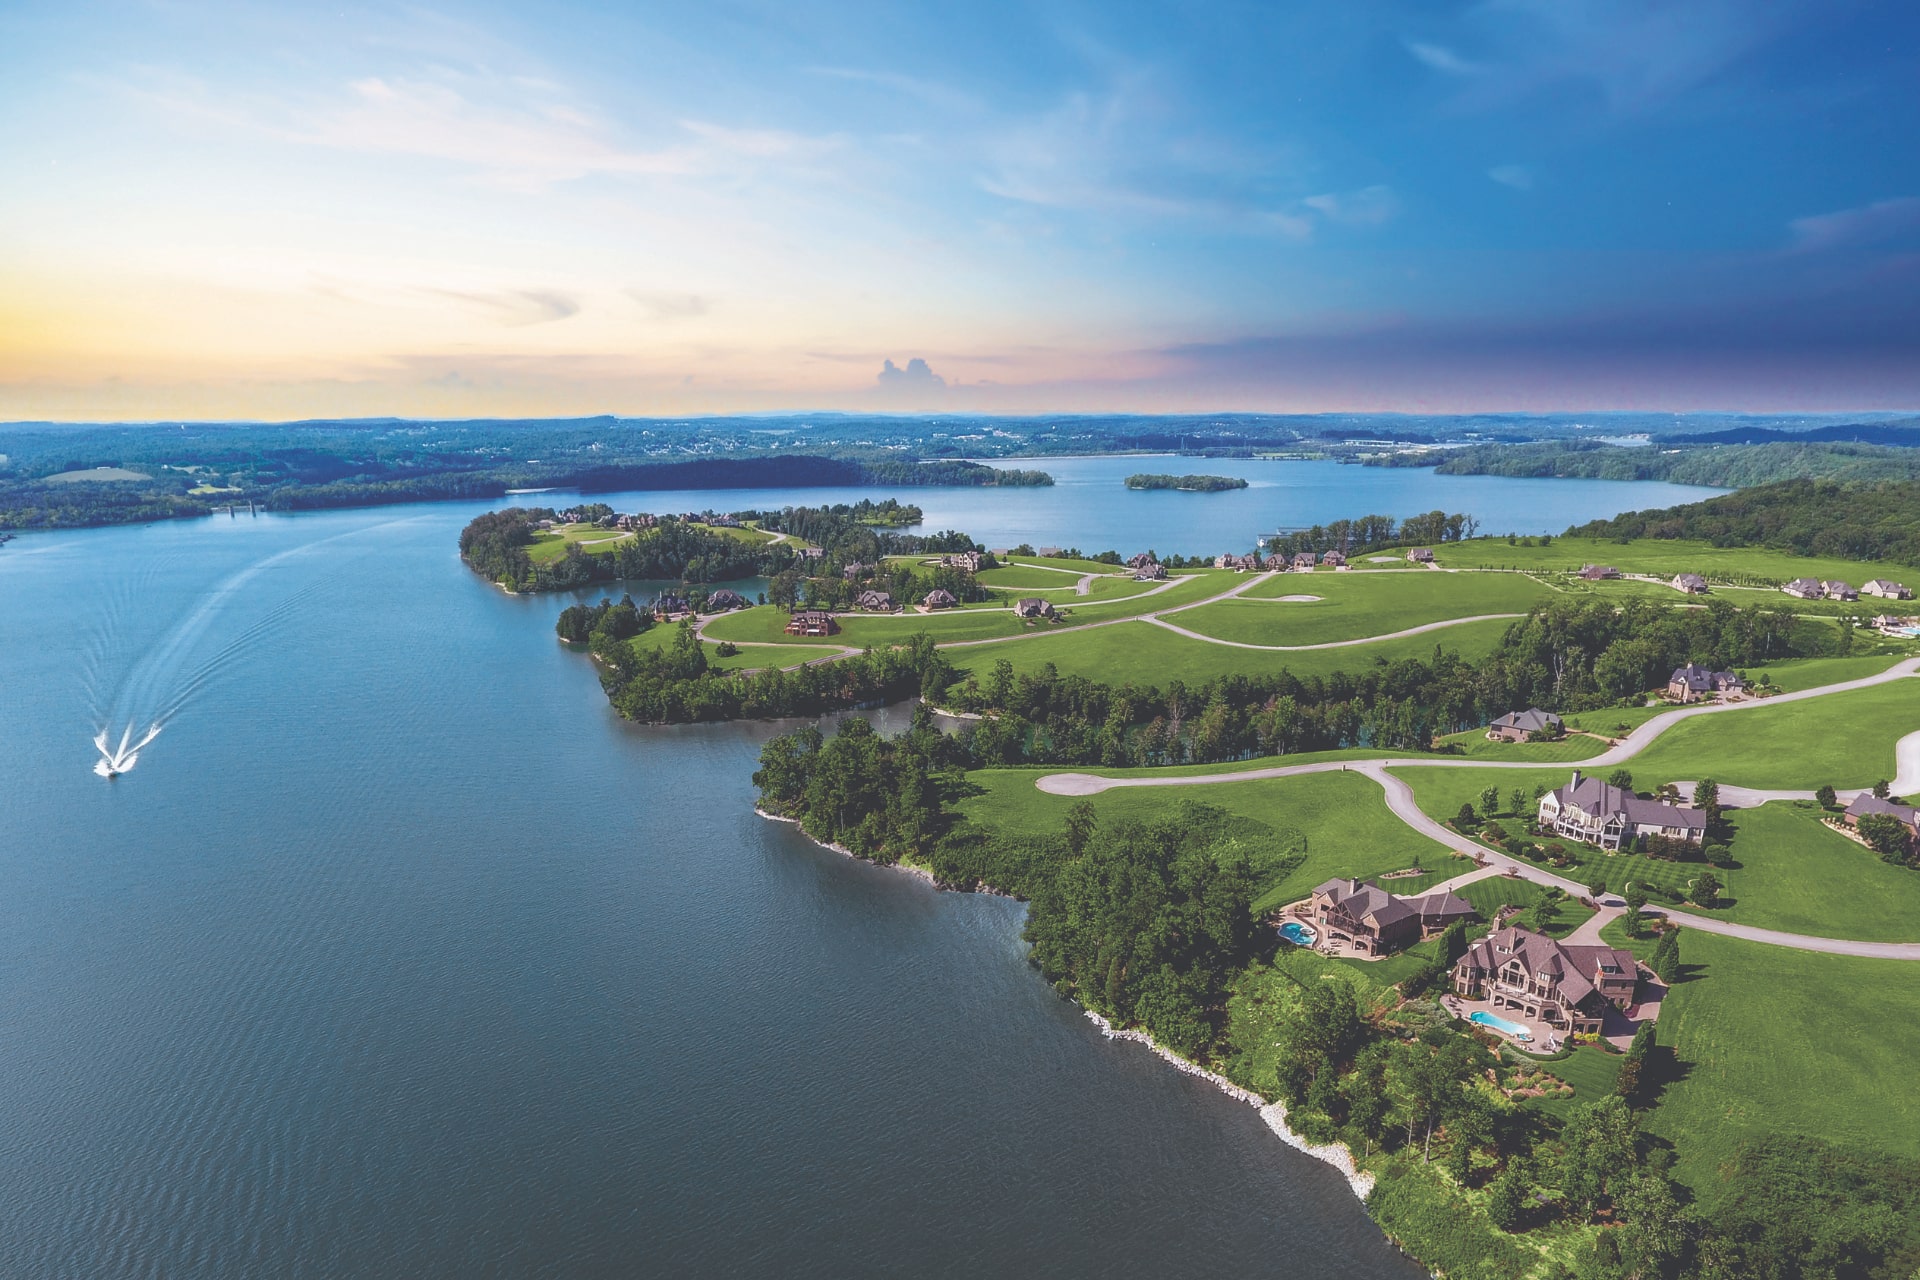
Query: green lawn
1843, 740
1772, 1040
1592, 1072
1494, 892
662, 636
550, 547
1661, 557
1795, 874
1345, 822
1810, 673
1573, 747
1148, 655
1356, 605
1024, 575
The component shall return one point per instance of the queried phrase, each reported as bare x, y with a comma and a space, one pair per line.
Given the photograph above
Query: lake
397, 955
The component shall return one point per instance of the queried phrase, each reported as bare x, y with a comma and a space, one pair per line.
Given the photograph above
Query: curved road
1400, 800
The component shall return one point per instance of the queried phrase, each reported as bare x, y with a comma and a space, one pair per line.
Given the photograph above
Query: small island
1186, 484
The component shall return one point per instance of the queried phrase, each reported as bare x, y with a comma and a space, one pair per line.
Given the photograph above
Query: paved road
1400, 800
1158, 620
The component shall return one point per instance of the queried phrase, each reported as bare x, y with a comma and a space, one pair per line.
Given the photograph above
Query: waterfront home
1034, 607
968, 560
1868, 803
1694, 683
725, 599
1691, 583
1886, 590
1241, 564
665, 606
812, 622
1334, 560
1838, 590
811, 553
940, 598
1151, 571
1596, 813
874, 601
1803, 588
1304, 560
1518, 726
1567, 988
1051, 553
853, 571
1375, 922
1421, 555
1598, 572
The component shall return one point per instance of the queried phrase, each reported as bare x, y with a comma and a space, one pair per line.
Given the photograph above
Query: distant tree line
1808, 517
1187, 484
1372, 533
1726, 466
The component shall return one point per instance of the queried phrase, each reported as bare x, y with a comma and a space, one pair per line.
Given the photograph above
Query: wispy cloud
1869, 224
515, 307
1517, 176
1441, 58
930, 92
1367, 207
670, 306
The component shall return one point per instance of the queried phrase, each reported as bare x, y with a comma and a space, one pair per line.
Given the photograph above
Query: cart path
1400, 801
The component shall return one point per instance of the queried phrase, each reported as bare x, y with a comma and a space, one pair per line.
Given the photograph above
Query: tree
1636, 898
1882, 789
1597, 887
1826, 797
1666, 957
1465, 818
1620, 778
1706, 794
1706, 889
1886, 835
1507, 1197
1517, 802
1490, 801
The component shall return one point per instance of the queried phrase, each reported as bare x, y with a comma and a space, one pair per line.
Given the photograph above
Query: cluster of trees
1810, 517
1722, 466
495, 546
889, 513
673, 684
74, 504
1371, 533
1189, 484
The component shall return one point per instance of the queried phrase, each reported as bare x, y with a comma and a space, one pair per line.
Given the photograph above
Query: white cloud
1441, 58
1367, 207
1517, 176
1848, 228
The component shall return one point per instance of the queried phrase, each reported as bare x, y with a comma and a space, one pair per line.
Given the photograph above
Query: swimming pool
1300, 935
1514, 1029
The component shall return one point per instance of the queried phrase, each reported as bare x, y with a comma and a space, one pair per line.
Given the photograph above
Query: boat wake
116, 760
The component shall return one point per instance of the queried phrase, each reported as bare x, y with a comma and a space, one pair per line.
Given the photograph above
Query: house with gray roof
1838, 590
1694, 683
1567, 988
1516, 726
874, 601
1598, 572
1376, 922
1421, 555
1886, 590
1691, 583
1868, 803
1596, 813
1034, 607
1803, 588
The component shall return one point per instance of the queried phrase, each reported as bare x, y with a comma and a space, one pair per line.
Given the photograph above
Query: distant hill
1812, 517
1903, 433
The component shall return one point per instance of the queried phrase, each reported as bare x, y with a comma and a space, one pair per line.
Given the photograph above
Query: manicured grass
1774, 1041
1020, 575
1356, 605
1843, 740
1146, 654
1592, 1072
1810, 673
1322, 582
662, 635
1795, 874
1663, 558
1346, 824
1494, 892
550, 547
1573, 747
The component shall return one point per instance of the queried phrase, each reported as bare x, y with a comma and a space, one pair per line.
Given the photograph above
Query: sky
296, 210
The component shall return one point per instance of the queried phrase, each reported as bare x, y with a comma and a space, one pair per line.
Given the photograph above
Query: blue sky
293, 210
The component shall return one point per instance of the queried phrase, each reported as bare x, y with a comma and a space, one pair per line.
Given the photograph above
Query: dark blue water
397, 955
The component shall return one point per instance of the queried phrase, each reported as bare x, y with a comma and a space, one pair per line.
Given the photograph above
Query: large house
1886, 590
1691, 583
1804, 588
1376, 921
1868, 803
1334, 560
1838, 590
1594, 812
1598, 572
1034, 607
667, 605
1243, 564
1694, 683
874, 601
1151, 571
810, 553
968, 560
812, 622
726, 598
1303, 560
1421, 555
1517, 726
940, 598
1567, 988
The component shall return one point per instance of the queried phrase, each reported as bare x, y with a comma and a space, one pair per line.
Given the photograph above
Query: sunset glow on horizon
219, 210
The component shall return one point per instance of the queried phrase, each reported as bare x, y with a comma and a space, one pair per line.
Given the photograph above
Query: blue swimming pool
1514, 1029
1301, 935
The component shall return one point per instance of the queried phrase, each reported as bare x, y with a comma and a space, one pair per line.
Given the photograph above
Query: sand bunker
1298, 599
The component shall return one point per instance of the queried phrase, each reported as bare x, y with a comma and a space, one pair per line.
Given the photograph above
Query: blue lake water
397, 955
